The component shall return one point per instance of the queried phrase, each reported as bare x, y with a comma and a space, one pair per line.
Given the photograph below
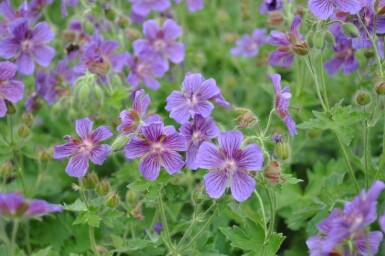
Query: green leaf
339, 120
288, 179
152, 187
77, 206
42, 252
251, 237
88, 217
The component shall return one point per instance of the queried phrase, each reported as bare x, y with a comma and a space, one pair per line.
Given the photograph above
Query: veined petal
172, 161
250, 158
101, 133
25, 63
84, 128
64, 150
175, 141
99, 153
209, 156
42, 33
171, 30
78, 165
230, 142
242, 186
43, 54
153, 131
150, 166
322, 8
136, 148
215, 183
12, 91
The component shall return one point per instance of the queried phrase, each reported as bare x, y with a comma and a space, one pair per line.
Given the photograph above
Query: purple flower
349, 224
248, 46
276, 137
9, 15
382, 222
135, 117
229, 164
157, 146
323, 9
65, 3
15, 205
193, 5
144, 7
159, 43
144, 69
28, 45
281, 103
158, 227
195, 98
290, 44
344, 59
10, 89
88, 147
202, 129
270, 5
98, 57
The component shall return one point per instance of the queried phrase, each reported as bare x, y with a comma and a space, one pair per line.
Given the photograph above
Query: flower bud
275, 18
27, 119
112, 199
197, 194
363, 98
282, 150
300, 48
44, 155
123, 21
90, 180
310, 39
158, 227
319, 42
133, 34
368, 53
120, 142
11, 109
109, 12
23, 131
246, 118
329, 37
5, 169
222, 16
272, 172
313, 133
132, 197
350, 30
103, 187
380, 88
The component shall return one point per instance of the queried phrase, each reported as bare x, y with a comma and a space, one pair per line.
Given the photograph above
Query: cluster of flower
345, 232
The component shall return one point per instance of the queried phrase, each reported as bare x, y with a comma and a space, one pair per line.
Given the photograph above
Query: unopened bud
112, 200
90, 180
275, 18
109, 12
133, 34
132, 197
197, 194
301, 48
282, 150
246, 118
273, 172
103, 187
380, 88
310, 39
5, 169
44, 155
368, 53
11, 109
123, 21
23, 131
350, 30
329, 37
120, 142
27, 119
363, 98
222, 16
319, 41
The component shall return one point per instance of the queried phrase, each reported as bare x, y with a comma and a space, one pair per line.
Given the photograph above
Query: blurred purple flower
144, 7
341, 226
229, 164
98, 57
382, 222
248, 46
88, 147
193, 5
195, 98
144, 69
15, 205
10, 89
135, 117
270, 5
202, 129
323, 9
158, 227
9, 15
344, 59
157, 146
281, 103
65, 4
159, 43
276, 137
290, 44
28, 45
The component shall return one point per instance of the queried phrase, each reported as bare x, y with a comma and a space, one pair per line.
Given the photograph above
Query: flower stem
382, 161
322, 75
347, 162
15, 228
310, 67
203, 229
263, 212
189, 229
92, 239
367, 153
272, 212
164, 221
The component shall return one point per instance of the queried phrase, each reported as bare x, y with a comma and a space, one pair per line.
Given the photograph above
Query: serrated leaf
42, 252
88, 217
77, 206
251, 237
338, 119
